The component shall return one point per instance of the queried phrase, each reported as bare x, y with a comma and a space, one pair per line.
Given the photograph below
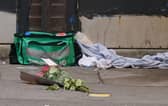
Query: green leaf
66, 80
73, 88
50, 76
53, 87
54, 70
83, 89
66, 86
78, 82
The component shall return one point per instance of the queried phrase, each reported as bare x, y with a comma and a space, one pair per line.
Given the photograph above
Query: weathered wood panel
35, 15
51, 15
128, 31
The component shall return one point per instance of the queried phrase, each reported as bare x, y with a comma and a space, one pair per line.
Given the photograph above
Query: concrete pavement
129, 87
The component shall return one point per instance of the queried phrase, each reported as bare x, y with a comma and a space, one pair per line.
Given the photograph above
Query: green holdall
32, 46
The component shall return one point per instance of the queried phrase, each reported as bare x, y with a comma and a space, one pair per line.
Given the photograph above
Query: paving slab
136, 77
129, 87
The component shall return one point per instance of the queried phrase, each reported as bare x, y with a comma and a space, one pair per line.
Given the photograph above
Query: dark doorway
8, 5
112, 7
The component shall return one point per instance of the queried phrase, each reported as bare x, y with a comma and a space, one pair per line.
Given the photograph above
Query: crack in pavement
101, 81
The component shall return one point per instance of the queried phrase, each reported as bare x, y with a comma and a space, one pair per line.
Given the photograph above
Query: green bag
32, 46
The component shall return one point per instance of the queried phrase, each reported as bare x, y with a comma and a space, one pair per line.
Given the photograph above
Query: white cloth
87, 61
98, 55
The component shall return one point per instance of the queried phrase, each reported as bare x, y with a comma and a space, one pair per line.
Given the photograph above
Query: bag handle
58, 43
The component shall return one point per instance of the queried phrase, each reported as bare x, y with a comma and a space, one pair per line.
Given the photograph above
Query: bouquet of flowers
54, 73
